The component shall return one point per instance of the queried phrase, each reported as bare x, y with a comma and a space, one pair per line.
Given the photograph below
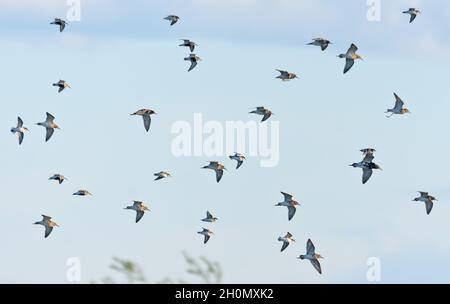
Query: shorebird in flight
312, 256
172, 18
209, 218
188, 43
413, 12
350, 57
146, 116
217, 167
366, 165
49, 125
193, 59
140, 209
266, 113
427, 199
207, 233
323, 43
62, 24
398, 108
290, 204
161, 175
287, 239
286, 76
62, 84
48, 224
239, 158
60, 178
82, 193
19, 129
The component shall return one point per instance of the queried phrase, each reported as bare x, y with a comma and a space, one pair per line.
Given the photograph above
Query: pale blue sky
122, 57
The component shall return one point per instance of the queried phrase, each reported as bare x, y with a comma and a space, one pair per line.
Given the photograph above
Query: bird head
341, 56
354, 165
416, 199
301, 257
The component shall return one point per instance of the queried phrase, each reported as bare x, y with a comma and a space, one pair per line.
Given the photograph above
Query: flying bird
427, 199
82, 193
367, 166
140, 209
193, 59
286, 76
146, 116
209, 218
312, 256
188, 43
60, 178
287, 239
20, 129
49, 125
266, 113
217, 167
323, 43
172, 18
62, 84
62, 24
161, 175
350, 57
48, 224
398, 108
290, 204
207, 233
413, 12
239, 158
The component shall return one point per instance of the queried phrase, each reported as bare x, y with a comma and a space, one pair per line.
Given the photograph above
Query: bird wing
287, 196
191, 46
367, 173
398, 103
285, 244
49, 133
284, 73
310, 249
368, 158
147, 121
19, 122
352, 50
20, 137
239, 163
174, 20
348, 64
291, 212
193, 64
266, 116
219, 174
62, 25
206, 239
45, 217
316, 265
60, 89
413, 16
137, 203
288, 235
50, 118
139, 215
208, 215
159, 177
423, 194
429, 206
48, 230
323, 46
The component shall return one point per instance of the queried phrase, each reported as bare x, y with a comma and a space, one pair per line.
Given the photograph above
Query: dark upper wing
353, 48
206, 239
208, 215
139, 215
285, 244
398, 102
266, 116
429, 206
50, 117
316, 265
20, 137
174, 20
191, 46
291, 212
413, 16
310, 249
348, 64
368, 158
19, 122
49, 133
324, 46
287, 196
219, 174
48, 230
147, 121
367, 173
193, 64
239, 163
62, 25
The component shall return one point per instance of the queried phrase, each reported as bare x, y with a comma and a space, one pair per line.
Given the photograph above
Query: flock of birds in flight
367, 165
